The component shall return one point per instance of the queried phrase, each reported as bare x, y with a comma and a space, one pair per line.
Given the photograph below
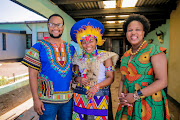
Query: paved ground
10, 68
7, 69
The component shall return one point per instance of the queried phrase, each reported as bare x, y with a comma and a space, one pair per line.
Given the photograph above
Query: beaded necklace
90, 57
137, 49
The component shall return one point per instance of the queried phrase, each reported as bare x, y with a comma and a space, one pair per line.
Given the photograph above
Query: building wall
47, 8
152, 35
15, 46
37, 27
171, 42
174, 56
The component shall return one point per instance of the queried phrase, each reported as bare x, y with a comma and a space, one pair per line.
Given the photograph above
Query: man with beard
50, 73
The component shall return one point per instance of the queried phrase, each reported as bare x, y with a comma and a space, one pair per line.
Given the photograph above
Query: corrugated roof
157, 11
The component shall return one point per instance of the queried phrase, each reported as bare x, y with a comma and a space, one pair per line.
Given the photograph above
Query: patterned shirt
55, 70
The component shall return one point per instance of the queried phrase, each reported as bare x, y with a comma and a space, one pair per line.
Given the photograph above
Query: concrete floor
26, 112
10, 69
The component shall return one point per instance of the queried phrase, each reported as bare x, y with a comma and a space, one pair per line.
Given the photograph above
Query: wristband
139, 93
76, 74
136, 96
110, 68
96, 87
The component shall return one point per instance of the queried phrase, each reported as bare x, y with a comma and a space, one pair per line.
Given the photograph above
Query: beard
55, 36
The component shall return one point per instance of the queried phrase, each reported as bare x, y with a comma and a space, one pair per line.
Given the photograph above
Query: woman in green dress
143, 75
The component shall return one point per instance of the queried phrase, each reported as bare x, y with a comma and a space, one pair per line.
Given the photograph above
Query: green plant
3, 80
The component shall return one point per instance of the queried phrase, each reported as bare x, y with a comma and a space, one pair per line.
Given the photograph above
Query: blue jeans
62, 110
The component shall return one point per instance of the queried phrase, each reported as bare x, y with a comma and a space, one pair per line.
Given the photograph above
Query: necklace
89, 57
137, 49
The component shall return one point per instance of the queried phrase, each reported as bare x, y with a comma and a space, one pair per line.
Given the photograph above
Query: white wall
36, 27
15, 46
0, 43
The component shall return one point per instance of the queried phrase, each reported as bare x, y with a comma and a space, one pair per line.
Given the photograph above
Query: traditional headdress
87, 27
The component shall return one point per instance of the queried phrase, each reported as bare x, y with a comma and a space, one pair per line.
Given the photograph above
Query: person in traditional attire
143, 75
94, 71
50, 73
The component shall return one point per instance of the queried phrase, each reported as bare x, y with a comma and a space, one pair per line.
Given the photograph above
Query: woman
144, 75
94, 70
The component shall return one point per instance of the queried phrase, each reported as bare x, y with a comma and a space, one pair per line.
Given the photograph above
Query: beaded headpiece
87, 27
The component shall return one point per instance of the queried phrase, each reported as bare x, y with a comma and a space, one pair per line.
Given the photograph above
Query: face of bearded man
55, 27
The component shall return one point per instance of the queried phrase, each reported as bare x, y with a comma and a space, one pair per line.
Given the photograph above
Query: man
50, 73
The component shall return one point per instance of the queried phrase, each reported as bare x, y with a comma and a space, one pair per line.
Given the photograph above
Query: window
42, 34
4, 41
28, 41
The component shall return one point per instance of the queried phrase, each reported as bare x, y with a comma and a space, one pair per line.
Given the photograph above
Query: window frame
43, 35
28, 40
4, 41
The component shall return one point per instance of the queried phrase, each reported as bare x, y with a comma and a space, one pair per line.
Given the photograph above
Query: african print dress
138, 75
97, 108
55, 70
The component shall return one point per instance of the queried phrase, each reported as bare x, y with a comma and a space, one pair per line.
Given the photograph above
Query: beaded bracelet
110, 68
96, 87
135, 95
76, 74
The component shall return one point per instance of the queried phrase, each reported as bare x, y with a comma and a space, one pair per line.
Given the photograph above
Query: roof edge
15, 1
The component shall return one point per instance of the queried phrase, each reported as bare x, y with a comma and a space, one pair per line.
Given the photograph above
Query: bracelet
110, 68
76, 74
96, 87
136, 96
139, 93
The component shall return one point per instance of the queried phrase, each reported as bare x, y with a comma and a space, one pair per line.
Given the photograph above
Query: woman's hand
129, 97
39, 106
84, 81
122, 99
91, 92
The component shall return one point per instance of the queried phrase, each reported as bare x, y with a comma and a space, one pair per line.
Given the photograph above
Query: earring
96, 50
83, 53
